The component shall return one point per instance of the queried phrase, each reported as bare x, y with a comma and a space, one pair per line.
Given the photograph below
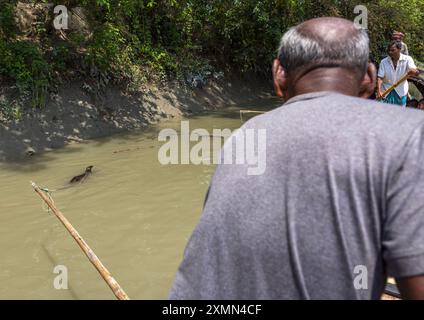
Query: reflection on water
135, 213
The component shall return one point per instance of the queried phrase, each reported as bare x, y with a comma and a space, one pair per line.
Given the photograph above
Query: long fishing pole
106, 275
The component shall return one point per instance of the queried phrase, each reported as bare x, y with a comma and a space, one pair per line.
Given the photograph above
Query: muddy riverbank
73, 115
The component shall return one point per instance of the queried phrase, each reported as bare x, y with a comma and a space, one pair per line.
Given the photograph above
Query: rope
49, 194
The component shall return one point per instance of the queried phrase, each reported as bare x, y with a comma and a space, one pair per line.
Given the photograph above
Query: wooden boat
418, 82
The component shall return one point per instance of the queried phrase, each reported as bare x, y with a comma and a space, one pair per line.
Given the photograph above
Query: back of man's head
324, 42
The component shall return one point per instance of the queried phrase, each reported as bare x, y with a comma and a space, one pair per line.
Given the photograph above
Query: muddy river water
135, 213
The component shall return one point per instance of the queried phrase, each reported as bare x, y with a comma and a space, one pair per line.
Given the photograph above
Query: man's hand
413, 72
379, 93
411, 288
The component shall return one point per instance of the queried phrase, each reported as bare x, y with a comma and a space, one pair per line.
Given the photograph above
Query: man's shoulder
384, 60
344, 106
384, 64
384, 110
409, 58
404, 57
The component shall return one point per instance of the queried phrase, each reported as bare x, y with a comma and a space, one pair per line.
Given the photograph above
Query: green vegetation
139, 40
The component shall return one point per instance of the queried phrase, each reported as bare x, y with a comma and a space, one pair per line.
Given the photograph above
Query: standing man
392, 69
399, 36
340, 205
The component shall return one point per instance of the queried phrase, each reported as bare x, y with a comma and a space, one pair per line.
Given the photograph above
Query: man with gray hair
339, 207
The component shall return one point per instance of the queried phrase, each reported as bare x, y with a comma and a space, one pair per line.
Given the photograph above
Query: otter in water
83, 176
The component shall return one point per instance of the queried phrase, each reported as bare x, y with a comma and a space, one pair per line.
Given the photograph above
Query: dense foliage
136, 39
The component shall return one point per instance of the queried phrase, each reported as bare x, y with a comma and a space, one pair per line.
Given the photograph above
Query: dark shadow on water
41, 161
55, 263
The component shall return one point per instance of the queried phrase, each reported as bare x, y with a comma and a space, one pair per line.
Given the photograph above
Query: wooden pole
251, 111
112, 283
404, 77
248, 111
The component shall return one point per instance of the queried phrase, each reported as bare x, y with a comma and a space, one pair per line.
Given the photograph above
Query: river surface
135, 213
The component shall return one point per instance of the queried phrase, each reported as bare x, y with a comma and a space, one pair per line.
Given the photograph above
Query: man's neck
395, 59
325, 79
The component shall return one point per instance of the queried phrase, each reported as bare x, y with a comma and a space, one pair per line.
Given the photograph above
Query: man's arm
403, 235
411, 287
380, 75
413, 70
379, 83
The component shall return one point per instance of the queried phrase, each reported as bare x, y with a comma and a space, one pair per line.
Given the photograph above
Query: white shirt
387, 72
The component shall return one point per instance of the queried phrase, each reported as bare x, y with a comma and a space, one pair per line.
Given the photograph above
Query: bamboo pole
248, 111
404, 77
112, 283
251, 111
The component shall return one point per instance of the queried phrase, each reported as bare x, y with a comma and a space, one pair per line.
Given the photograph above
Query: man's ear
369, 82
279, 77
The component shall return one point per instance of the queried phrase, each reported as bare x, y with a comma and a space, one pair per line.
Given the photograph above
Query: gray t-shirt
339, 207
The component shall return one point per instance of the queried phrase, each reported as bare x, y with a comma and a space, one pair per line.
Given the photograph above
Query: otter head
88, 169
